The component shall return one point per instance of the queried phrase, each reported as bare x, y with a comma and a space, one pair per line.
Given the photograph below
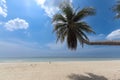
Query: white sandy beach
82, 70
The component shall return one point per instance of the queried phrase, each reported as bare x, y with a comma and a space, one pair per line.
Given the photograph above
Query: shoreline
20, 60
59, 62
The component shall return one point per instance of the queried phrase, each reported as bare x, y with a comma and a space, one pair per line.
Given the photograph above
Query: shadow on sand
89, 76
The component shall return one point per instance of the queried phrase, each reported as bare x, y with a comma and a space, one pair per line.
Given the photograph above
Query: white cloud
51, 6
16, 24
114, 35
3, 8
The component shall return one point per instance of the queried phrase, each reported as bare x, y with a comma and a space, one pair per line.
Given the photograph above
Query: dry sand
82, 70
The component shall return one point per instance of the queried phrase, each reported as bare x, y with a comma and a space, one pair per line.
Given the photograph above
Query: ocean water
45, 59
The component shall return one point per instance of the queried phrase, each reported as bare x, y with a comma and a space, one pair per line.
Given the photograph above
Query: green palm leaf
85, 27
116, 8
59, 17
89, 11
67, 10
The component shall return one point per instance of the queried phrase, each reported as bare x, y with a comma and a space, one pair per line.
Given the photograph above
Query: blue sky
26, 29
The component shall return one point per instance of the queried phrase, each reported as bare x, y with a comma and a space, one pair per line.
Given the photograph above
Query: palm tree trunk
102, 43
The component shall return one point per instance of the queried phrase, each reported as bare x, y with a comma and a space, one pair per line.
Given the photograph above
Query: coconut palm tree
68, 25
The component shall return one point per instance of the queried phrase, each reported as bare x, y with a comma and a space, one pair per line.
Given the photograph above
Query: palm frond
117, 16
89, 11
80, 38
67, 10
59, 26
58, 17
83, 35
61, 34
85, 27
116, 8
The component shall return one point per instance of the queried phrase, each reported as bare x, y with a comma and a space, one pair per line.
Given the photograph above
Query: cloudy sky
26, 29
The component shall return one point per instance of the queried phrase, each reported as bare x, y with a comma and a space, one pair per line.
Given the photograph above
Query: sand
82, 70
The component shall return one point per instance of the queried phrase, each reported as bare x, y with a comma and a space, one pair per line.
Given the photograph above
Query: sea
53, 59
